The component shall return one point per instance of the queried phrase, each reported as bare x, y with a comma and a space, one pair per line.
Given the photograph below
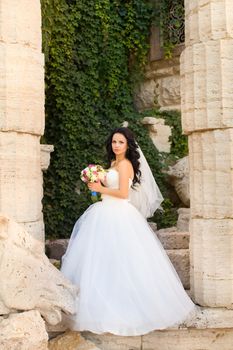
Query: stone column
207, 117
21, 113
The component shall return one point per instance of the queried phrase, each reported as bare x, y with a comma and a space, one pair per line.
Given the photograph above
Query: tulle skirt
127, 284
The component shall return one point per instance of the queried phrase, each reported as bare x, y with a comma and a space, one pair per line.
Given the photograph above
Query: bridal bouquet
93, 173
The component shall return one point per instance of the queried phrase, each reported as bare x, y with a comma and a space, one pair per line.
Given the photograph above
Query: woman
127, 284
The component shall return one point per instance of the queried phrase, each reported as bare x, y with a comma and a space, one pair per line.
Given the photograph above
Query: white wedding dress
127, 284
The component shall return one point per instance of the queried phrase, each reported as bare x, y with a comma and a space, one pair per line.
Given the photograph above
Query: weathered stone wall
207, 110
161, 87
22, 113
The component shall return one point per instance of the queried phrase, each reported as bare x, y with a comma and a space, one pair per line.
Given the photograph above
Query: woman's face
119, 144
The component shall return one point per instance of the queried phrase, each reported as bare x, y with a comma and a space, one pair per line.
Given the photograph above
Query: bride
127, 284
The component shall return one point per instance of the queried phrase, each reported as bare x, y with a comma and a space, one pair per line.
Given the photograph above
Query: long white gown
127, 283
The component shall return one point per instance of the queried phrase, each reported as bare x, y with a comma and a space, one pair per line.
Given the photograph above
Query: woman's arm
125, 172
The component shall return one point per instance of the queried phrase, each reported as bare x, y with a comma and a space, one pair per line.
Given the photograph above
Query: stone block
183, 219
173, 239
145, 96
189, 339
35, 228
28, 280
168, 92
21, 89
20, 177
208, 20
178, 176
191, 23
113, 342
20, 25
56, 249
23, 331
180, 260
212, 261
71, 341
45, 151
211, 180
207, 85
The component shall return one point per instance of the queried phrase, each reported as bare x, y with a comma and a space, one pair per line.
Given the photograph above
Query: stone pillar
207, 117
21, 113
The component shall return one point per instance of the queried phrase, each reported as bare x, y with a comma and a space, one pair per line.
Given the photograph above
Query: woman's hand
95, 186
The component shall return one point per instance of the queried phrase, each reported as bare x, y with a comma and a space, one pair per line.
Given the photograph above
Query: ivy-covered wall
95, 52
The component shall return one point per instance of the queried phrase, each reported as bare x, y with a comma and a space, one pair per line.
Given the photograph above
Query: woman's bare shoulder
125, 163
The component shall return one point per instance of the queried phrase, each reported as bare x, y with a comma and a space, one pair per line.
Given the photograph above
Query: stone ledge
180, 260
211, 318
210, 329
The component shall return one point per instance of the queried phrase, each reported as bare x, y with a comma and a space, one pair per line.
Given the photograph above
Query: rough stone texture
71, 341
189, 339
207, 97
21, 182
35, 228
208, 20
20, 177
45, 151
28, 280
113, 342
20, 26
168, 92
21, 89
162, 85
23, 331
22, 113
176, 245
56, 249
210, 318
183, 219
207, 109
211, 174
173, 239
159, 133
180, 260
178, 176
212, 261
145, 97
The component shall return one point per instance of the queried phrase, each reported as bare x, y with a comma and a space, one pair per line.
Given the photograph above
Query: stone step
176, 245
172, 238
180, 260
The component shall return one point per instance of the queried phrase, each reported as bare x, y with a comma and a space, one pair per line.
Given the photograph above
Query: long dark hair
132, 153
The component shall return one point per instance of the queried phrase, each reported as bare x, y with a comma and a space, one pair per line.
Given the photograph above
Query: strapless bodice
112, 181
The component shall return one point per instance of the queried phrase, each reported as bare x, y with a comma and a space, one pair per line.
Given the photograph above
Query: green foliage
167, 217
